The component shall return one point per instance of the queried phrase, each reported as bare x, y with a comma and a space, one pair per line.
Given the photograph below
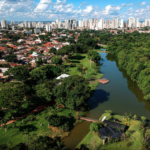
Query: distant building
48, 27
37, 31
3, 23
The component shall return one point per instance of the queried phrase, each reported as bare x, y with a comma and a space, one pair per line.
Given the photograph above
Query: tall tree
72, 92
19, 72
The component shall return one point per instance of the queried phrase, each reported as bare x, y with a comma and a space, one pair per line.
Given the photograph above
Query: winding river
120, 95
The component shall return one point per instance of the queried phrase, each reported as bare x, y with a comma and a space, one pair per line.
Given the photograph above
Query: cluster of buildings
67, 24
71, 24
96, 24
23, 50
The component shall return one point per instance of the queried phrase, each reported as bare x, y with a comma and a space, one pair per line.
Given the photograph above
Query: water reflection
120, 95
99, 96
132, 86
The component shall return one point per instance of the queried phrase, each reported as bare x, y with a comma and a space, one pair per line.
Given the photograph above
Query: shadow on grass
78, 57
74, 61
98, 47
99, 96
28, 128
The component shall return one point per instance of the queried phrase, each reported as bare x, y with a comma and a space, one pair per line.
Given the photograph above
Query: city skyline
94, 24
50, 10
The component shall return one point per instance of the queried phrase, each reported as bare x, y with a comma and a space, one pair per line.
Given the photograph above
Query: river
120, 95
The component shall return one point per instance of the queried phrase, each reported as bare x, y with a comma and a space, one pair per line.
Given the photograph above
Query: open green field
133, 141
38, 126
91, 71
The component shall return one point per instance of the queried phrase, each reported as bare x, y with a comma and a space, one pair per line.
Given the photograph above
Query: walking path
39, 108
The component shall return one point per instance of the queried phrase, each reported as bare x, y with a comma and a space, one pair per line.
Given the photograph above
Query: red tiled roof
2, 48
13, 64
30, 56
46, 50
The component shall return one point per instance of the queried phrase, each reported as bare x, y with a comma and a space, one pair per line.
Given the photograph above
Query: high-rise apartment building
146, 22
29, 24
48, 28
131, 22
122, 23
3, 23
116, 22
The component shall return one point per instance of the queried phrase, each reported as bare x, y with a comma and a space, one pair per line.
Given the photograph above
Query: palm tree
134, 117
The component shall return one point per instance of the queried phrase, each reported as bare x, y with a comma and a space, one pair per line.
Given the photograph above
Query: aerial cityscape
93, 24
74, 75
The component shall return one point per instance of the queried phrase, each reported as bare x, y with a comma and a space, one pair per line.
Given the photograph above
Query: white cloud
16, 5
44, 5
83, 3
47, 9
88, 9
143, 3
127, 4
111, 9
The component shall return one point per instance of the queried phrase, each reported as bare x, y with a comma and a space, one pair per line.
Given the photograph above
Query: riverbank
91, 73
132, 140
120, 95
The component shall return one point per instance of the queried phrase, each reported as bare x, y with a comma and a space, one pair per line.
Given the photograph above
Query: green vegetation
131, 139
20, 72
47, 106
11, 57
79, 64
53, 50
56, 60
133, 55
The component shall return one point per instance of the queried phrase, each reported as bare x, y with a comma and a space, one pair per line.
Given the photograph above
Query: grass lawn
83, 59
16, 135
134, 133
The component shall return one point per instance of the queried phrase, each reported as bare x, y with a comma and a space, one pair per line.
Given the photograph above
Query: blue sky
49, 10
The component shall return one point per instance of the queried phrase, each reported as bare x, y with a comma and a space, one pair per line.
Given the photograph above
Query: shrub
129, 144
54, 120
73, 65
94, 127
65, 127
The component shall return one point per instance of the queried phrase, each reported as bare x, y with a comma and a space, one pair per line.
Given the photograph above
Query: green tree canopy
19, 72
11, 98
94, 55
43, 92
72, 92
11, 57
94, 127
53, 50
56, 60
44, 72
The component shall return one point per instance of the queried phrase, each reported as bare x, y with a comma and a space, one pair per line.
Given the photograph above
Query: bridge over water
88, 119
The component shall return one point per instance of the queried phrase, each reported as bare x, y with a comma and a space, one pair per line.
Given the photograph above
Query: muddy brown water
120, 95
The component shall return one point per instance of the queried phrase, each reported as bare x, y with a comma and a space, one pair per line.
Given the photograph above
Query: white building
131, 22
25, 24
3, 23
101, 23
146, 22
116, 22
36, 31
29, 25
48, 28
122, 23
80, 23
137, 23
